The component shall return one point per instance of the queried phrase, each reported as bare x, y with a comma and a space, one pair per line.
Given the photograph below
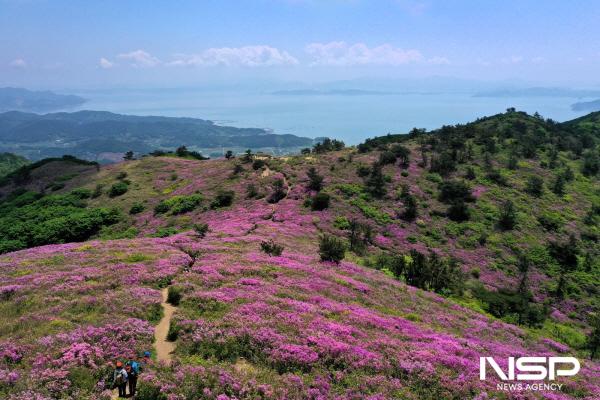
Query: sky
139, 43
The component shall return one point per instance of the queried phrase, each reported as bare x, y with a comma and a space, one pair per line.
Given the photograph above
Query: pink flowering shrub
250, 325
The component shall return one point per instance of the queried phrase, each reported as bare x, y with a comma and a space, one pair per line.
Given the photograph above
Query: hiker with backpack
146, 361
133, 370
120, 378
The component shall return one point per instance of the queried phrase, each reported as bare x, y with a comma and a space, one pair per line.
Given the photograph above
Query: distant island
104, 136
17, 99
586, 106
332, 92
539, 92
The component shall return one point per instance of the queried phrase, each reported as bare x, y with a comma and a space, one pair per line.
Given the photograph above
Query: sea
351, 118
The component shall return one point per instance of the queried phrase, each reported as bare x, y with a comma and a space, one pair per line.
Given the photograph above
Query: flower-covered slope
248, 325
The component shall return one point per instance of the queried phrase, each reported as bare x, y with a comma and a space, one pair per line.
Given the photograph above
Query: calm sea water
350, 118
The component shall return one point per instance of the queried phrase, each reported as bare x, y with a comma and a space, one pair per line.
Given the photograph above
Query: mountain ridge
89, 134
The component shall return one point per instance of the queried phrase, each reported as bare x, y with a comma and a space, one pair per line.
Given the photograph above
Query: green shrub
470, 173
508, 216
360, 236
174, 295
173, 332
320, 201
114, 232
331, 248
161, 207
279, 191
137, 208
118, 189
453, 191
341, 222
387, 157
201, 229
149, 391
82, 193
458, 211
165, 232
251, 191
178, 204
375, 184
497, 177
81, 378
430, 272
271, 248
403, 153
349, 189
433, 177
237, 169
258, 164
27, 220
551, 221
315, 181
410, 208
224, 198
535, 186
363, 171
371, 211
183, 204
512, 306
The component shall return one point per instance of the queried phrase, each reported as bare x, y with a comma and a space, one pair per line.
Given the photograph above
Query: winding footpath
164, 348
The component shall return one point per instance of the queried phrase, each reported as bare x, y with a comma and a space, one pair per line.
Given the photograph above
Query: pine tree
559, 185
376, 181
315, 180
508, 216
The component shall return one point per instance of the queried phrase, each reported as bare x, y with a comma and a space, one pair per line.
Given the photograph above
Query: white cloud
343, 54
140, 58
538, 60
106, 64
18, 63
247, 56
438, 61
512, 60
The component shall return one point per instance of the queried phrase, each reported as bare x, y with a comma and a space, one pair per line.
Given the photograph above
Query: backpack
119, 379
135, 368
132, 368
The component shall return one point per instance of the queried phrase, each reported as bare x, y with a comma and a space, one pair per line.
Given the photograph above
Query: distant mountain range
539, 92
332, 92
104, 136
587, 106
36, 101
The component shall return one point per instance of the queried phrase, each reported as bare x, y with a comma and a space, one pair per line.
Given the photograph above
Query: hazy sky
76, 44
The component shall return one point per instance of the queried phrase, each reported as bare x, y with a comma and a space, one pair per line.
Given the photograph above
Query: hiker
146, 361
120, 378
133, 370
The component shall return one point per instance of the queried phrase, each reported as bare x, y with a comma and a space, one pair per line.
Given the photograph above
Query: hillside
473, 240
10, 162
104, 136
17, 99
